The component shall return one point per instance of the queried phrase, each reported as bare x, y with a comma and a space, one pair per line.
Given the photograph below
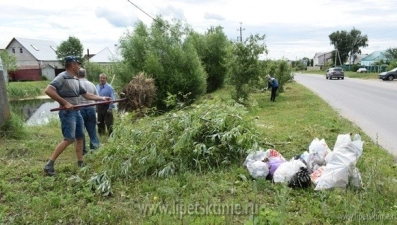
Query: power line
142, 10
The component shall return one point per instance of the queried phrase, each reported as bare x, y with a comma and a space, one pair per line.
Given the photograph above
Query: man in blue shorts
66, 89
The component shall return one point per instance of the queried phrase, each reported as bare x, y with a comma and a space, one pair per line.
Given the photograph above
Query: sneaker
81, 164
49, 170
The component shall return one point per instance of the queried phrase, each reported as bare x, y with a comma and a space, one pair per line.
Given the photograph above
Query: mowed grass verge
225, 195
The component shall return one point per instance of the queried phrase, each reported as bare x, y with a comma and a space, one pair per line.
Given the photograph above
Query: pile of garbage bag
319, 166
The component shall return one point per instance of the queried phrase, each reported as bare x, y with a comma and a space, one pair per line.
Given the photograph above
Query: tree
347, 44
244, 65
9, 62
391, 54
72, 46
163, 52
212, 50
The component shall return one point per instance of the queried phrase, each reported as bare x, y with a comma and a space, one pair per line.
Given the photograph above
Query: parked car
389, 75
335, 72
362, 70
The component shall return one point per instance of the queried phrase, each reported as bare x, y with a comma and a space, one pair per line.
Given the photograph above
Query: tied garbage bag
339, 168
318, 150
255, 165
287, 170
258, 169
301, 179
263, 163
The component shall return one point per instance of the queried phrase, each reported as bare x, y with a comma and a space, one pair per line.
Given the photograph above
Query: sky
293, 29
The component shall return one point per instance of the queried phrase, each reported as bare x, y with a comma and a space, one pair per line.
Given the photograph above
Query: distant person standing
88, 113
105, 112
273, 84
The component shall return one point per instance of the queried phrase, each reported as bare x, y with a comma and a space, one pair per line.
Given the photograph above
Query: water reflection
35, 111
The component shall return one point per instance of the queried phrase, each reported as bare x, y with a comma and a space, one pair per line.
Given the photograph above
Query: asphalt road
370, 104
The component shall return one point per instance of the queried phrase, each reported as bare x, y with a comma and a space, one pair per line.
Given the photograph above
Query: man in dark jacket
273, 84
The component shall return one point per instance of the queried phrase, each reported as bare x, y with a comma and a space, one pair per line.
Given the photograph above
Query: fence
370, 69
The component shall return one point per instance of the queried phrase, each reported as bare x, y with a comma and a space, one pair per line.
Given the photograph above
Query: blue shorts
72, 125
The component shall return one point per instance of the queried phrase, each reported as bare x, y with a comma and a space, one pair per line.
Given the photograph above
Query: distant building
34, 58
104, 57
372, 58
321, 58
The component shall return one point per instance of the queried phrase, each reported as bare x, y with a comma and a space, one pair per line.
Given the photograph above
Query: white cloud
294, 29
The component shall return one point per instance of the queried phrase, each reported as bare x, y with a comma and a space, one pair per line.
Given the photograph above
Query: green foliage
392, 65
212, 50
72, 46
244, 65
13, 128
19, 90
93, 70
163, 53
8, 61
29, 197
205, 137
391, 54
279, 69
347, 44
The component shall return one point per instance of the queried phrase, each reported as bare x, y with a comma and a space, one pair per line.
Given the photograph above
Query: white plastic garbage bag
261, 163
338, 170
287, 170
318, 150
258, 169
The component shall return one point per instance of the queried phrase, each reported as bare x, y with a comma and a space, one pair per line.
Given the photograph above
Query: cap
72, 58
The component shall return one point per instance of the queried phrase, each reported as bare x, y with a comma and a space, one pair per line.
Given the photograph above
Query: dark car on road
389, 75
335, 72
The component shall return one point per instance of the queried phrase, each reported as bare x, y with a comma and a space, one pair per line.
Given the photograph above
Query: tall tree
244, 65
163, 52
347, 44
72, 46
212, 49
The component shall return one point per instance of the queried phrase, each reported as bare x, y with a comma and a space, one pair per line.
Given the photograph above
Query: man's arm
52, 93
95, 97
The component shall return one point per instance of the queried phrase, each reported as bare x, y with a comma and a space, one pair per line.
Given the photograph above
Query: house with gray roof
321, 58
34, 55
372, 58
104, 57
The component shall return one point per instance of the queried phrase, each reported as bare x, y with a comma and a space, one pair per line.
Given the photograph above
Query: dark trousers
273, 95
105, 120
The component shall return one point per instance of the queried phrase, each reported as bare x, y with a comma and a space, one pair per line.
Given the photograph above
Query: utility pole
241, 32
336, 52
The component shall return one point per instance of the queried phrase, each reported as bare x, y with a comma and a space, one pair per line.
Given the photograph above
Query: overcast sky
294, 29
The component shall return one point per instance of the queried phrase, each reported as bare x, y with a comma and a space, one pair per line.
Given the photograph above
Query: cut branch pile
140, 93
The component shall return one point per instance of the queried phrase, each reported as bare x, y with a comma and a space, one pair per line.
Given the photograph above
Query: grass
29, 89
224, 195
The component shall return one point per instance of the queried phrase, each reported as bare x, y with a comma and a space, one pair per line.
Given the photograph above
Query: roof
41, 49
104, 56
321, 53
374, 56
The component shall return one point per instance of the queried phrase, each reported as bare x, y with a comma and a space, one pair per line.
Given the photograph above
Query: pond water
35, 111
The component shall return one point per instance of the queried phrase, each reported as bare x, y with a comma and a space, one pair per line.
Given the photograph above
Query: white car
362, 70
